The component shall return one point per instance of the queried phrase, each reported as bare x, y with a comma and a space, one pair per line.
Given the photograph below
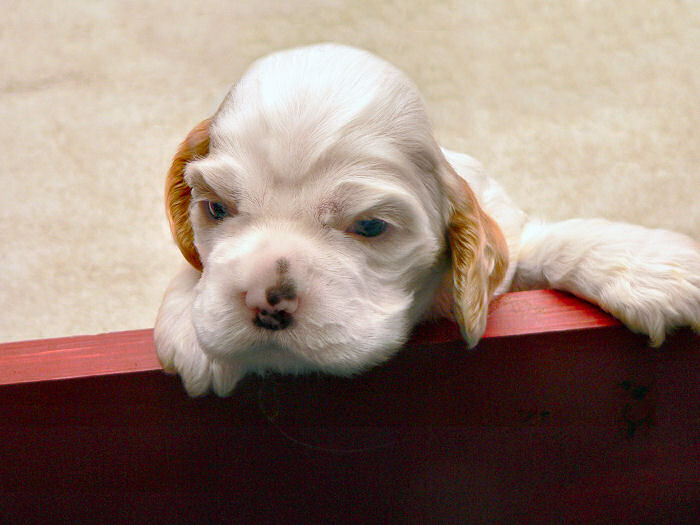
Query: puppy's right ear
178, 193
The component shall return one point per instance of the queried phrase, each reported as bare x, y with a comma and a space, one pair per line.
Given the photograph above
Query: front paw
179, 353
178, 348
654, 293
199, 374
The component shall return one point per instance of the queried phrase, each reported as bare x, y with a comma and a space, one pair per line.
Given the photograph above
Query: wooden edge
513, 314
524, 313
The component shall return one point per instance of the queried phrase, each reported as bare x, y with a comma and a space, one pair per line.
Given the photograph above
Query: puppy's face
315, 204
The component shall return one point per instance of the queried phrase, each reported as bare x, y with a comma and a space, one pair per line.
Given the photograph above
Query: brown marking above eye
328, 211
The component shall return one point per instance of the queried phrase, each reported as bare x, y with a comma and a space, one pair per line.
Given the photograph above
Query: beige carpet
581, 108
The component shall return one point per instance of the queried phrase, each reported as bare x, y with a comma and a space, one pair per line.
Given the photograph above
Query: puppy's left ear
479, 257
178, 193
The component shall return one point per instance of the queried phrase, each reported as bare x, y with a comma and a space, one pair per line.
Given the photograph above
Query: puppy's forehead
324, 84
303, 114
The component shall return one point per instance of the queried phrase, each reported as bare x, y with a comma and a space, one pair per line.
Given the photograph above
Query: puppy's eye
217, 210
368, 227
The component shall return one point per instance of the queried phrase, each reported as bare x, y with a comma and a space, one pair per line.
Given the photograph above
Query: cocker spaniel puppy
321, 221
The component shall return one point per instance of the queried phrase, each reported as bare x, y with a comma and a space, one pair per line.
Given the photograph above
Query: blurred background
580, 108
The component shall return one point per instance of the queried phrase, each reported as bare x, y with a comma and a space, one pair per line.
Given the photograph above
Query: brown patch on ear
479, 260
178, 193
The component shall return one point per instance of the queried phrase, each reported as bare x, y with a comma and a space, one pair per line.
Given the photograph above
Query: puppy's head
324, 217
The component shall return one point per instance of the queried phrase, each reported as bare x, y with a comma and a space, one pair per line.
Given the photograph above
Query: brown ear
177, 192
479, 259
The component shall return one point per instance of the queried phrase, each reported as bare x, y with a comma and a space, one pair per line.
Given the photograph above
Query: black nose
273, 319
275, 311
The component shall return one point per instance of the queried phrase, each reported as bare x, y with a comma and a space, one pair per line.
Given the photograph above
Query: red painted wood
519, 313
525, 313
72, 357
584, 424
543, 311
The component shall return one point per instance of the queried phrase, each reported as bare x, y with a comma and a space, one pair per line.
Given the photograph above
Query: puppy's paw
178, 348
179, 353
656, 289
198, 372
224, 377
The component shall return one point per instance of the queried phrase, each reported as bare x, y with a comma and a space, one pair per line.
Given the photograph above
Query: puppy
321, 221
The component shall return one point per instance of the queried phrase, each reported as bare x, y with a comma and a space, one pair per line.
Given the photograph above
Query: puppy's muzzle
273, 306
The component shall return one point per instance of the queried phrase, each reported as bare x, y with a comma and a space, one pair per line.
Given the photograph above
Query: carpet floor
580, 108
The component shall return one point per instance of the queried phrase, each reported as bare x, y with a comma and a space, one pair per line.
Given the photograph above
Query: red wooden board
559, 415
520, 313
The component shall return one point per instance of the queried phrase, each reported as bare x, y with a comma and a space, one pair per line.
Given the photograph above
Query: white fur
314, 138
